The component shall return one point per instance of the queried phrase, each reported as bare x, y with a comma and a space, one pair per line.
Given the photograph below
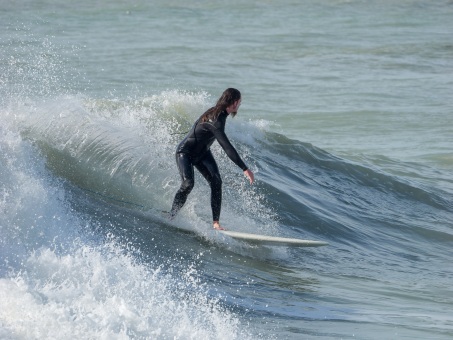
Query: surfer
194, 150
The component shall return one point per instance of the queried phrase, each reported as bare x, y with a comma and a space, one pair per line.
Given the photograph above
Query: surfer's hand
249, 175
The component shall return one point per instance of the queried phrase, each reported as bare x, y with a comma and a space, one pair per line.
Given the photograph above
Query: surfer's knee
187, 185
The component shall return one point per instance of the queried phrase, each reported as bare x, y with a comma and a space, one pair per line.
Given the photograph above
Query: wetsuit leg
208, 168
185, 168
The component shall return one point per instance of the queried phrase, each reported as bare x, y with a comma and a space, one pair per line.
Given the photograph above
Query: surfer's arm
229, 149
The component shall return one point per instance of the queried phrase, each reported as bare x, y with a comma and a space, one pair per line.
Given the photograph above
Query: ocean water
346, 120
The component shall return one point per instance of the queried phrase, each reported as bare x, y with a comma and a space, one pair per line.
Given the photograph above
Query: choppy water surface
346, 120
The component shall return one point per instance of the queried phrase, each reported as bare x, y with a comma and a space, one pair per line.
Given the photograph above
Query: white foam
103, 294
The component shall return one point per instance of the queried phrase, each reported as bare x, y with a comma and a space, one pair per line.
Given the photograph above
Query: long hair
228, 97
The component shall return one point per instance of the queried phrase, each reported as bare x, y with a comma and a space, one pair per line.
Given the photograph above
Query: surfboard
272, 240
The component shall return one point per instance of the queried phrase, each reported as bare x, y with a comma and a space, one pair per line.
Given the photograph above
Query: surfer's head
230, 100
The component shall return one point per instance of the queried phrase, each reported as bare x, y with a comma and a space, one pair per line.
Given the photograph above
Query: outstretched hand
249, 174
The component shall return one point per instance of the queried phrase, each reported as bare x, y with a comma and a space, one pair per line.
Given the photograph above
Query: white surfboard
272, 240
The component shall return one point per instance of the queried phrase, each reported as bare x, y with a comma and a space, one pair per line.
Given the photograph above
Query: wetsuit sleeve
229, 148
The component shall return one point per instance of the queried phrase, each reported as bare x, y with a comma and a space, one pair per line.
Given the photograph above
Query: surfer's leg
185, 168
209, 169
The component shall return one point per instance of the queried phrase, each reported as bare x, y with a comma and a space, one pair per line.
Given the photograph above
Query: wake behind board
272, 240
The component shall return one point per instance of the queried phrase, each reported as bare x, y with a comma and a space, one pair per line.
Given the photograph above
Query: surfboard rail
272, 240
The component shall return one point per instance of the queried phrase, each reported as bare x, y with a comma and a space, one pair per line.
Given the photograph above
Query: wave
123, 151
84, 182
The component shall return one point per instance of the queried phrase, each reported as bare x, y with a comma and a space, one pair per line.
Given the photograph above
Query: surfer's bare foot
169, 215
216, 226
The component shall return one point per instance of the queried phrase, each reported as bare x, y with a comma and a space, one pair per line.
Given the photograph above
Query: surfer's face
233, 109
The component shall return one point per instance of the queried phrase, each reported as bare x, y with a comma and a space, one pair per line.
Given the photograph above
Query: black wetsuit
194, 150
